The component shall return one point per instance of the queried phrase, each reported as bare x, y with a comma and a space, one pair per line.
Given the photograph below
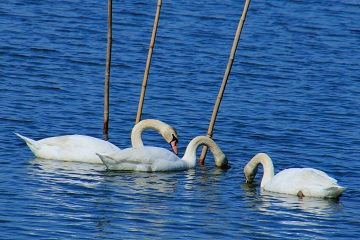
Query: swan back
78, 148
146, 159
308, 182
190, 153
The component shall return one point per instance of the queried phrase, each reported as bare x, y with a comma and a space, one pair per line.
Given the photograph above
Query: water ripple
293, 93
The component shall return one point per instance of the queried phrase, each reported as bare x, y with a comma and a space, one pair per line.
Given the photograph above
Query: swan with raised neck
152, 159
168, 133
302, 182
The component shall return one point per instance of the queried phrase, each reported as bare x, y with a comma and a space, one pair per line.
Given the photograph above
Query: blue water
293, 93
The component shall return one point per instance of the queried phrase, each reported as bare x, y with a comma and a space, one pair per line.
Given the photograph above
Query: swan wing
80, 142
145, 158
70, 148
124, 164
319, 184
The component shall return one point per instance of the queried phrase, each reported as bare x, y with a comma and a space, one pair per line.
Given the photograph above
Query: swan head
173, 143
170, 135
250, 172
251, 168
221, 161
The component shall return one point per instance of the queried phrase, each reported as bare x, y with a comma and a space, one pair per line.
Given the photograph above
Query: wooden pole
107, 70
148, 62
226, 76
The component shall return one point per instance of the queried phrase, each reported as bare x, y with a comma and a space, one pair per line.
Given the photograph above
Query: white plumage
81, 148
152, 159
295, 181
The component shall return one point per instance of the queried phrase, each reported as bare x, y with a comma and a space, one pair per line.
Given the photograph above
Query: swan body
152, 159
302, 182
81, 148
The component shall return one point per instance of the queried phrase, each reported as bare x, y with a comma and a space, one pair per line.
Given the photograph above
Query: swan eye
174, 139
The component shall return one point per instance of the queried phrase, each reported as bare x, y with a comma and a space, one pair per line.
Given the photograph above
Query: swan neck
139, 128
190, 152
268, 167
137, 131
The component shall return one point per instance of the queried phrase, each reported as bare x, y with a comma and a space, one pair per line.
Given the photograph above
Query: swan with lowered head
81, 148
302, 182
153, 159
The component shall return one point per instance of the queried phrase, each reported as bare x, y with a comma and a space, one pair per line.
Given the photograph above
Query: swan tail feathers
109, 162
335, 191
124, 165
32, 144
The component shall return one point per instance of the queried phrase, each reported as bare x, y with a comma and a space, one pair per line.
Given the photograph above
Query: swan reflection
85, 174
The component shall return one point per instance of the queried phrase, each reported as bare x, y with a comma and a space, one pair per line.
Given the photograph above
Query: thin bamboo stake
107, 70
226, 76
148, 62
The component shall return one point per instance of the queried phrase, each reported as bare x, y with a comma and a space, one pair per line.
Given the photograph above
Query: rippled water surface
293, 93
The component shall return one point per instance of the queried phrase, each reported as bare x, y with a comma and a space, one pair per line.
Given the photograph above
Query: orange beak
174, 147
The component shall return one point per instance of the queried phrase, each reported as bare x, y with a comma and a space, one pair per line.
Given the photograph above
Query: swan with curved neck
295, 181
165, 130
81, 148
152, 159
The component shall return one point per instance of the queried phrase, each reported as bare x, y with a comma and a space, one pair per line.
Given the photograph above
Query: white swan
295, 181
152, 159
81, 148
